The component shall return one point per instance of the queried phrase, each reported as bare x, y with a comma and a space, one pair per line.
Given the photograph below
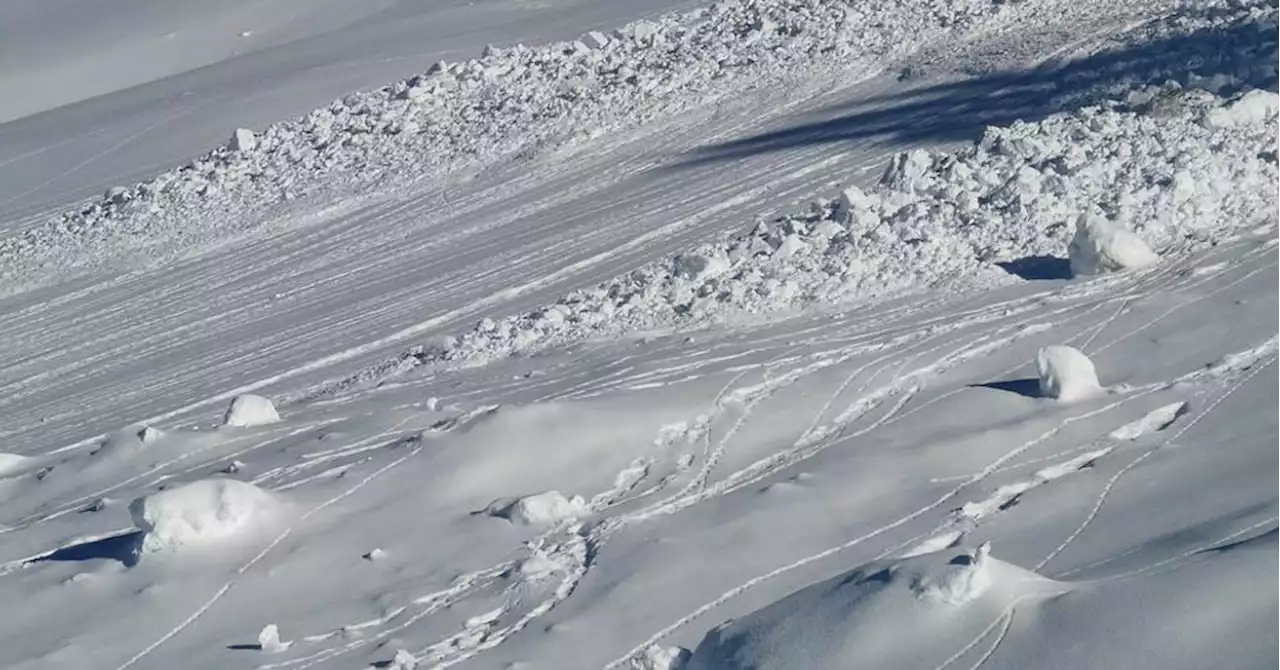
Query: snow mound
201, 513
250, 410
539, 509
1066, 374
1100, 246
661, 658
905, 613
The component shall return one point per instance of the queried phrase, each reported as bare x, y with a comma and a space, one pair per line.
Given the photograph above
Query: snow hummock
893, 613
539, 509
250, 410
1066, 374
201, 513
1100, 246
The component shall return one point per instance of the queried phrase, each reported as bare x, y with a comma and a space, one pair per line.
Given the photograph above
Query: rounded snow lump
1100, 246
1066, 373
538, 509
201, 512
250, 410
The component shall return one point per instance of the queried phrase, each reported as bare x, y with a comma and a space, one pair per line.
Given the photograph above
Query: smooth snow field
659, 335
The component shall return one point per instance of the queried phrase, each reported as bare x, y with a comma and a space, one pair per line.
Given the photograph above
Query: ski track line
755, 581
1154, 567
260, 555
1106, 489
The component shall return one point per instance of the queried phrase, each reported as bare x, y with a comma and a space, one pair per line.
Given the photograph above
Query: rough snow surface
250, 410
201, 513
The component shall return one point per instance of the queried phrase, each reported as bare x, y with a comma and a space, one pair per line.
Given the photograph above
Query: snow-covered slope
705, 342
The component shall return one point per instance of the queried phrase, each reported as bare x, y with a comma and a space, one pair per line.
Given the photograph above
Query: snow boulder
243, 140
1066, 374
202, 513
538, 509
700, 267
891, 614
1100, 246
250, 410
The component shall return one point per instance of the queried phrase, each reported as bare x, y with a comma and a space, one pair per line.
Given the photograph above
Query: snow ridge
461, 117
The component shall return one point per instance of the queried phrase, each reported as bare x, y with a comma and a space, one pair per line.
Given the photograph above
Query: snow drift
201, 513
904, 613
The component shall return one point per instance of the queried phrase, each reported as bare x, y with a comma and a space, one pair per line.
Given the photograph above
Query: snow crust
250, 410
201, 513
1066, 374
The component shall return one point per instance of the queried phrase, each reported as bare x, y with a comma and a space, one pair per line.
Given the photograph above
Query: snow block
595, 40
250, 410
201, 513
1100, 246
1256, 106
244, 140
538, 509
1066, 374
700, 267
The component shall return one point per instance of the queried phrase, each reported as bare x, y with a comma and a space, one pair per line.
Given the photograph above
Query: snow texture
201, 513
250, 410
1066, 374
1100, 246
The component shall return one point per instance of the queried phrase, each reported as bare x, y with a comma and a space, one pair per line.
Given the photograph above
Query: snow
250, 410
736, 316
543, 508
1100, 246
1066, 373
201, 513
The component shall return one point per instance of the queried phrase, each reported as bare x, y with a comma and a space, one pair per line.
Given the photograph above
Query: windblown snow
763, 334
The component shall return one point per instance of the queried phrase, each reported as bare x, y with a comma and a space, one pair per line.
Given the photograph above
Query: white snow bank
1100, 246
1066, 374
250, 410
544, 508
935, 218
201, 513
905, 613
464, 116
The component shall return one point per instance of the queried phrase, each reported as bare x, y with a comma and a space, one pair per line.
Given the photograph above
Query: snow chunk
403, 660
200, 513
1256, 106
595, 40
700, 267
243, 140
1101, 246
543, 508
250, 410
1066, 374
269, 640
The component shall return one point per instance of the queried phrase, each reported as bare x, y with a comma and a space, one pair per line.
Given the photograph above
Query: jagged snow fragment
595, 40
269, 640
543, 508
700, 267
1101, 246
661, 658
201, 513
1256, 106
243, 140
403, 660
250, 410
1066, 374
